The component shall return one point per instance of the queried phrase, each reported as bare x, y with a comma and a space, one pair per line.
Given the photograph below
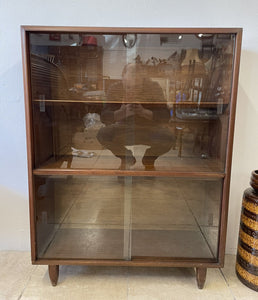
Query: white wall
14, 225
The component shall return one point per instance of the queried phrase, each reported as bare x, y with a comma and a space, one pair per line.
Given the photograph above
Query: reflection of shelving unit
85, 59
89, 211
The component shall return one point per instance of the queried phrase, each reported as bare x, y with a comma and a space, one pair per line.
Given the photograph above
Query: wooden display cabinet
129, 136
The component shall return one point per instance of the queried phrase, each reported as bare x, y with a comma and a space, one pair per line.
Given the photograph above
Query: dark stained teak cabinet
129, 136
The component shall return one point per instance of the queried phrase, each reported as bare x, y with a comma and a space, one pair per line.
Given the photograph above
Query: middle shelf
103, 162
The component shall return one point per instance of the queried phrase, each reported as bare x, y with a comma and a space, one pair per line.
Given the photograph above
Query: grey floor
21, 280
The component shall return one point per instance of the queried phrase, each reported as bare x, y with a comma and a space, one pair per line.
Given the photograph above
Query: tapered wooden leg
201, 276
53, 271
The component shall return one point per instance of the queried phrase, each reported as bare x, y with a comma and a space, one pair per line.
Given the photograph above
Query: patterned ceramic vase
247, 253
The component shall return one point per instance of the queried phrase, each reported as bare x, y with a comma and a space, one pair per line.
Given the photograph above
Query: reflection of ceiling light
171, 39
200, 35
129, 40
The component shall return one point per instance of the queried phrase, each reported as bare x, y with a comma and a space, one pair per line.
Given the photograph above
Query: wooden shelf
94, 100
109, 165
92, 172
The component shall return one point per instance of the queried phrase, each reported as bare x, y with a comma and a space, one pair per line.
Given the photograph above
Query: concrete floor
21, 280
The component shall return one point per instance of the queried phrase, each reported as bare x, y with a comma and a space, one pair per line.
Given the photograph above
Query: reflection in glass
175, 217
162, 104
80, 217
136, 119
108, 217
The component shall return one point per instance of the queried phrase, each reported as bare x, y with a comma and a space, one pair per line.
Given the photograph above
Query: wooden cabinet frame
200, 264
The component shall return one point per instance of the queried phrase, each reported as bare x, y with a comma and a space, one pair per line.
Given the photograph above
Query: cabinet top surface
132, 29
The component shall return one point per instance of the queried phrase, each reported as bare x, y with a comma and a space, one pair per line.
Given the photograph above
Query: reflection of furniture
164, 84
88, 211
202, 122
48, 82
85, 59
193, 75
204, 131
47, 79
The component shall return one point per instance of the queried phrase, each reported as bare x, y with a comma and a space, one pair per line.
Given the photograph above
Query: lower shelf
109, 244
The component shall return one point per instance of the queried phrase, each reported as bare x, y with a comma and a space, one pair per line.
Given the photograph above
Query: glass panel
80, 217
175, 217
135, 101
109, 217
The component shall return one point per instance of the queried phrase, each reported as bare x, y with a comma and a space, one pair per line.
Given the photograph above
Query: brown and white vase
247, 252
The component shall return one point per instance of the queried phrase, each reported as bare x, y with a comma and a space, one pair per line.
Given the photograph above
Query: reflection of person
135, 119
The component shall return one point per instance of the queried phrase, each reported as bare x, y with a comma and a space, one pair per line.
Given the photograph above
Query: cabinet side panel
225, 198
29, 135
